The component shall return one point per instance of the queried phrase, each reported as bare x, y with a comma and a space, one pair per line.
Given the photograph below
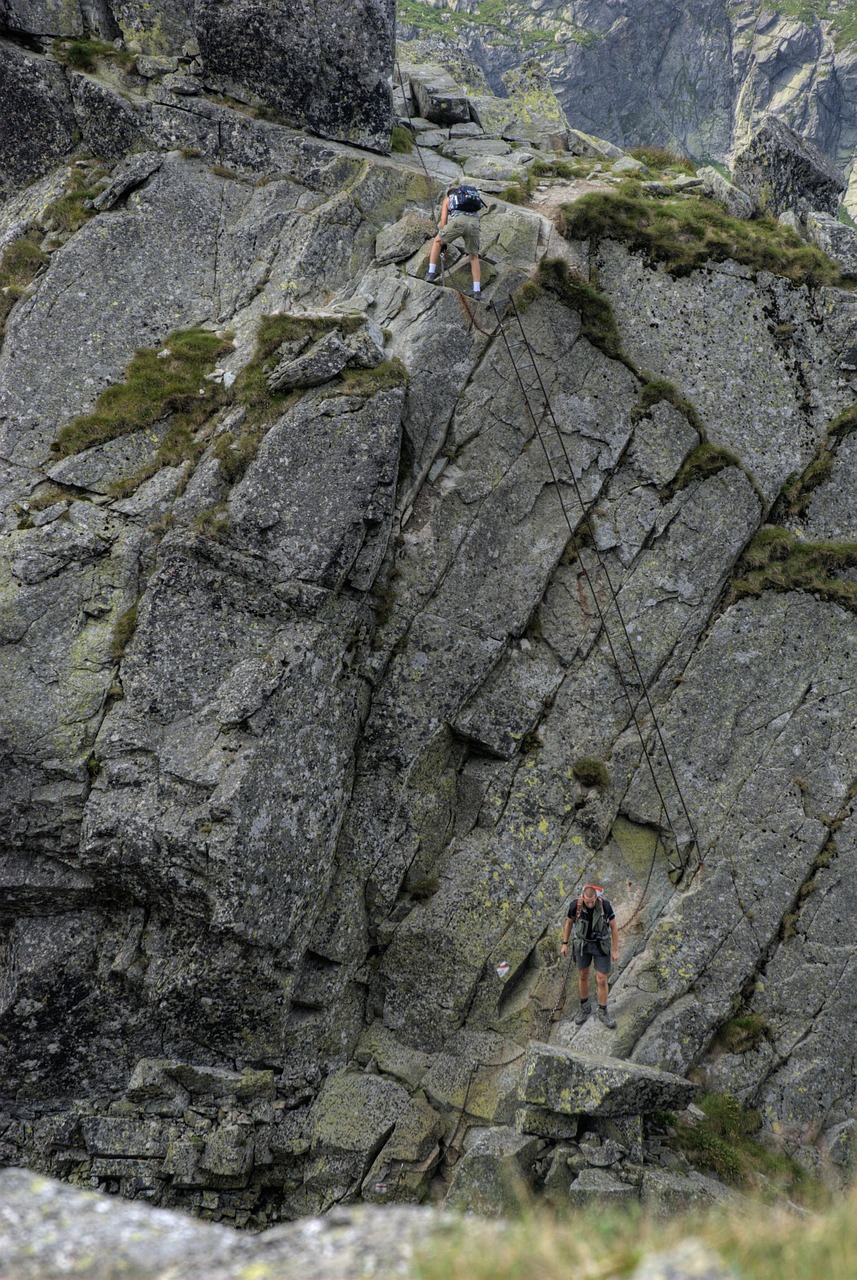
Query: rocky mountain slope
697, 78
317, 703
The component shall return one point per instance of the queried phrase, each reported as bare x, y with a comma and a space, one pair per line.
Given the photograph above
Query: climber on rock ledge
592, 920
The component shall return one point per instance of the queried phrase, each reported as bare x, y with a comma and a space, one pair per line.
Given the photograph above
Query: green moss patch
19, 266
684, 233
778, 561
705, 461
598, 324
84, 53
591, 773
155, 385
401, 140
368, 382
742, 1033
69, 211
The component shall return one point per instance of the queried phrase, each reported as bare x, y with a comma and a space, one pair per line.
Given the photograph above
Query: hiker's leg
474, 268
434, 256
583, 980
602, 985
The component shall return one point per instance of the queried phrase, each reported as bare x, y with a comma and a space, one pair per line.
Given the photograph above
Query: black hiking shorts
588, 955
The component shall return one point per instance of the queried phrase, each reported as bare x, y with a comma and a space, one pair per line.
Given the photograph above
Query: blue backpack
466, 200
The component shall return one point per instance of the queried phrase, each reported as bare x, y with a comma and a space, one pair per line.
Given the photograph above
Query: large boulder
781, 170
38, 117
338, 59
574, 1085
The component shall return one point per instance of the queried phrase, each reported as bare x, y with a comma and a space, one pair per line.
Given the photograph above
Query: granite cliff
317, 706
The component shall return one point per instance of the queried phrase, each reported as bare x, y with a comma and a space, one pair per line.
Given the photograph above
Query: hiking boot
432, 277
603, 1014
583, 1013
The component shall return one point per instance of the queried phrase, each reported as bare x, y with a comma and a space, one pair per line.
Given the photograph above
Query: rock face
316, 709
339, 62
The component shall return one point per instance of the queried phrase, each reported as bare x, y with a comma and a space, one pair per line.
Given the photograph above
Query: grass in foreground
758, 1242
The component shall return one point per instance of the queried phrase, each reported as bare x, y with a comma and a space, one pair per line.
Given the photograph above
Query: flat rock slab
574, 1085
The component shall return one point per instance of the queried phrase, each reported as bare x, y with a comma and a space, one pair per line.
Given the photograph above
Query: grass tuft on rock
125, 627
591, 773
742, 1033
69, 211
155, 386
83, 53
684, 233
706, 460
401, 140
776, 560
598, 324
21, 263
659, 159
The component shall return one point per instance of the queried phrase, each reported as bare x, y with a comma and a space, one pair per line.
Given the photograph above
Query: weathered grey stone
401, 239
628, 164
735, 201
476, 147
584, 144
779, 170
832, 510
109, 123
366, 346
835, 239
598, 1187
490, 1177
48, 1224
149, 67
667, 1194
126, 178
39, 120
439, 99
546, 1124
324, 360
564, 1082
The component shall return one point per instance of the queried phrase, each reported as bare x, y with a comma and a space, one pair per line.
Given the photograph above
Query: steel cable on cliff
547, 411
615, 601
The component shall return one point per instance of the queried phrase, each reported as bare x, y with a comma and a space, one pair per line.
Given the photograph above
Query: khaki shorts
462, 226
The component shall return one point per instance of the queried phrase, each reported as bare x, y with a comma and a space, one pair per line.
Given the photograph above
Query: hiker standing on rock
459, 220
592, 921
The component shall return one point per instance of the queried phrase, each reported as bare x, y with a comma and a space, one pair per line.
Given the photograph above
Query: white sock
477, 288
432, 269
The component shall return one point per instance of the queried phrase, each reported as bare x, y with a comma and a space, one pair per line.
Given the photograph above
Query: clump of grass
684, 234
591, 773
742, 1033
661, 159
124, 487
125, 627
598, 324
727, 1146
423, 887
515, 193
657, 390
843, 424
368, 382
799, 487
221, 171
777, 561
401, 140
69, 212
556, 169
213, 522
19, 266
235, 453
705, 461
154, 387
83, 53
